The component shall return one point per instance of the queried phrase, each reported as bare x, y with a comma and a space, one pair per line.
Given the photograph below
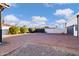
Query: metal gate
70, 30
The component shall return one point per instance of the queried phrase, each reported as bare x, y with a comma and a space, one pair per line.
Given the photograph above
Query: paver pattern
42, 44
37, 50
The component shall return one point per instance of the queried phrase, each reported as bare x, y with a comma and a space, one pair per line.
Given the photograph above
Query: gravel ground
38, 50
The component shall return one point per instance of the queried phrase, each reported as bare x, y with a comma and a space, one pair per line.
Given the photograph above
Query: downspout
78, 25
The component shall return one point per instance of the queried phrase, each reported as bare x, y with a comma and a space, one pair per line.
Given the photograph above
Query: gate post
78, 25
2, 7
0, 29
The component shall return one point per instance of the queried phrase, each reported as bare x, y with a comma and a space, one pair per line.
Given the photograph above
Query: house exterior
55, 30
72, 25
5, 29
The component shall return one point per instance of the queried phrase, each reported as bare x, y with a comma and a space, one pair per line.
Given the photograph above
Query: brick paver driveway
45, 44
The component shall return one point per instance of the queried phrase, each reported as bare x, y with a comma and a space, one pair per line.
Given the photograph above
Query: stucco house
5, 29
73, 25
55, 30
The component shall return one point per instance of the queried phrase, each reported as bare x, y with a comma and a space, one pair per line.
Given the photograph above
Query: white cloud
12, 4
37, 24
40, 23
36, 21
64, 12
61, 21
11, 19
39, 19
24, 23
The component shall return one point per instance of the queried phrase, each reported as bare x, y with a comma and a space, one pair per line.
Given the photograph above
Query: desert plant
40, 30
24, 30
14, 30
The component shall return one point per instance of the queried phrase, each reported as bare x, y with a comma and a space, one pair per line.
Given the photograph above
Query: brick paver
39, 50
58, 40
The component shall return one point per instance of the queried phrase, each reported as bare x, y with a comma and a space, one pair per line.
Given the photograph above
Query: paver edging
5, 36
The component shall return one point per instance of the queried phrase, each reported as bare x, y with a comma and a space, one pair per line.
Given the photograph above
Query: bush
31, 30
24, 30
14, 30
40, 30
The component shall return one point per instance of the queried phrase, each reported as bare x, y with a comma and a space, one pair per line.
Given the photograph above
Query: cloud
64, 12
11, 19
12, 4
39, 19
23, 23
61, 21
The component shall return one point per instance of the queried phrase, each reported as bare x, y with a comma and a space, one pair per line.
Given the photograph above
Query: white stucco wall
5, 30
72, 21
75, 32
55, 30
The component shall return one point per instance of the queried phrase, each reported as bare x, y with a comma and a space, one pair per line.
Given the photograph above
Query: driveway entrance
38, 40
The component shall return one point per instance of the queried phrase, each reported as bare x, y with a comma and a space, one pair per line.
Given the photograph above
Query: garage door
70, 30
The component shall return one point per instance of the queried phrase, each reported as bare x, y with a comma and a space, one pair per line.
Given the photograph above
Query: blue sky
51, 12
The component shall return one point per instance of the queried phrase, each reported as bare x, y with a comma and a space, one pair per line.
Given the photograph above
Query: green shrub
32, 30
24, 30
14, 30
